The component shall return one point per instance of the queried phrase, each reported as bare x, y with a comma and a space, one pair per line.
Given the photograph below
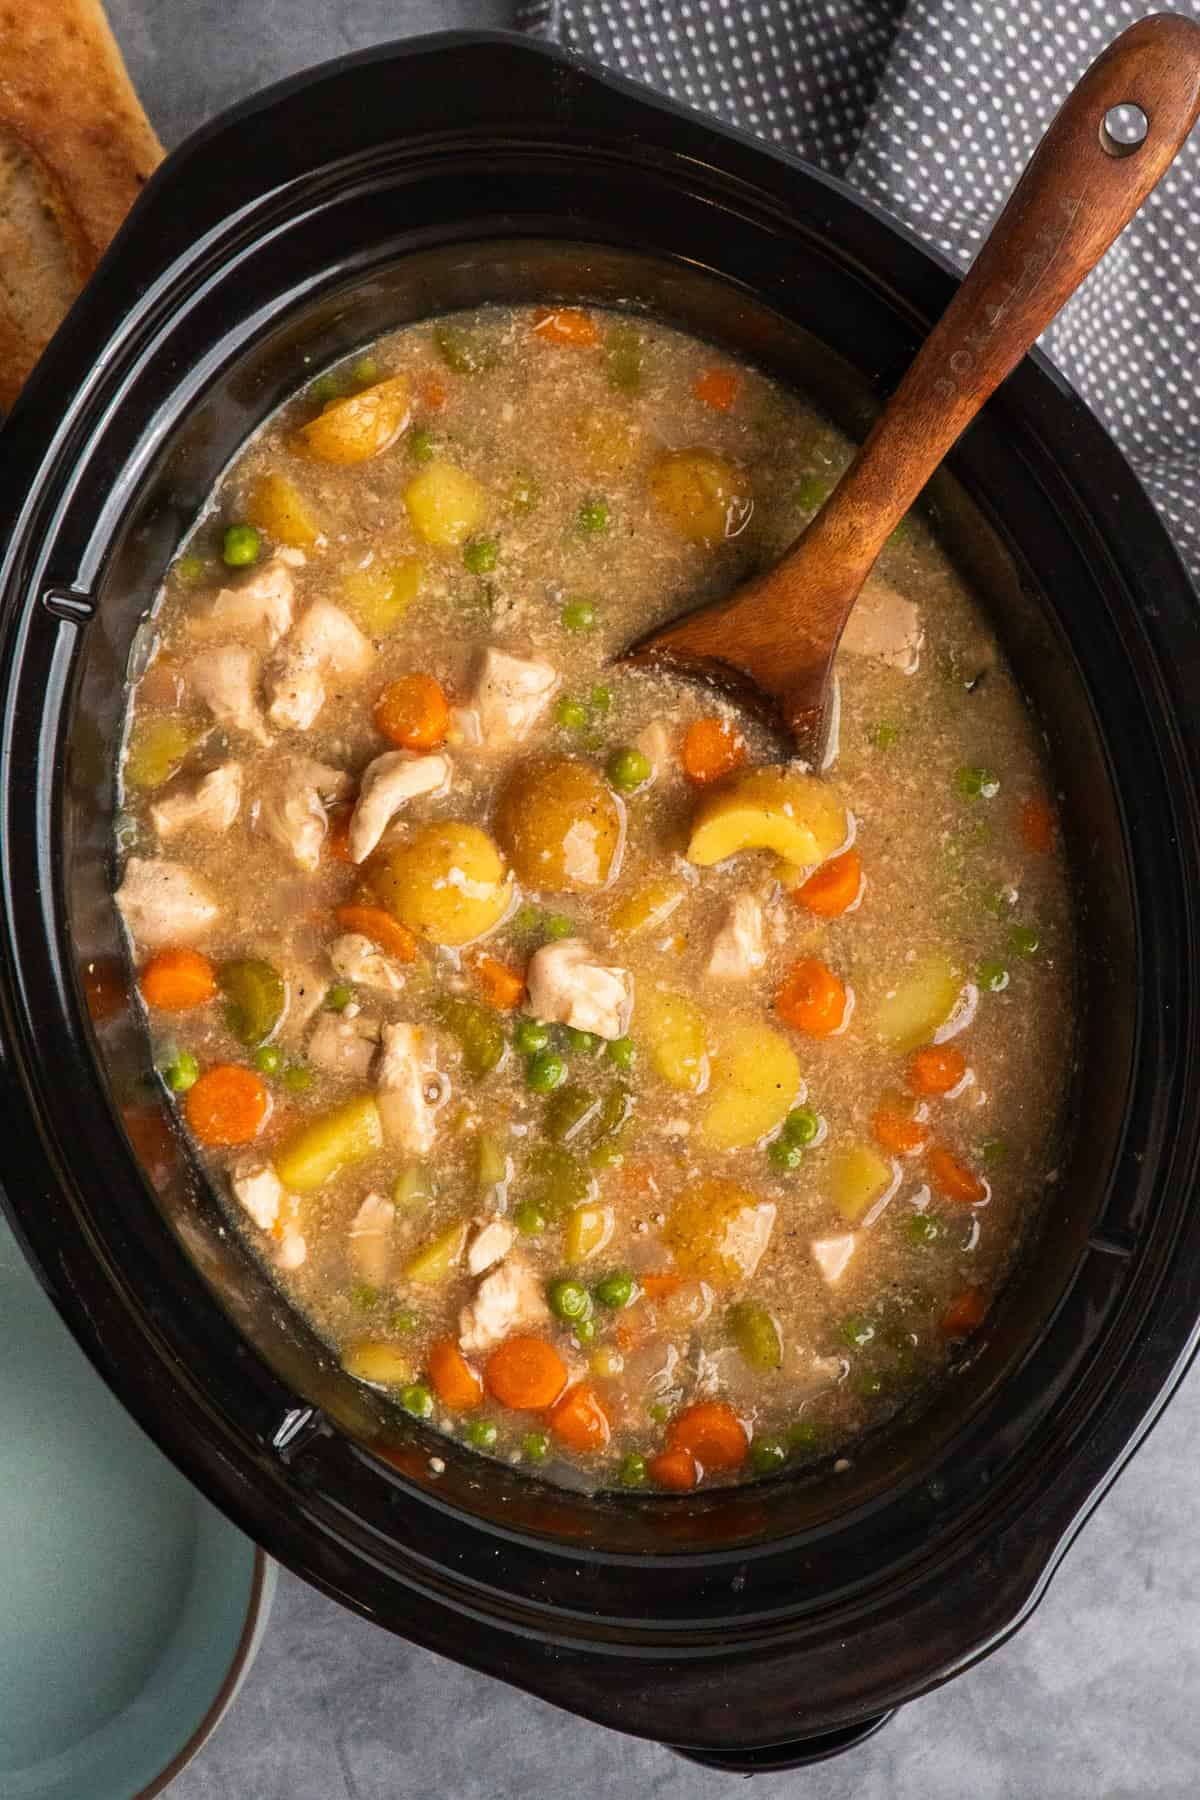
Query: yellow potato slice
445, 504
719, 1231
434, 1263
276, 505
754, 1084
355, 429
647, 907
675, 1033
331, 1142
383, 1365
380, 596
797, 816
921, 1001
706, 497
589, 1228
446, 881
858, 1179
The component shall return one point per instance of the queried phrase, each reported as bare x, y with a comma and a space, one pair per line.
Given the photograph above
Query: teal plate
131, 1608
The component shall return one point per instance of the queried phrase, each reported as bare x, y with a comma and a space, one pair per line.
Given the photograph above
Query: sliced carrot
413, 712
374, 923
812, 999
566, 325
835, 888
454, 1380
580, 1418
1037, 823
965, 1314
717, 388
712, 748
337, 838
228, 1105
501, 986
660, 1287
105, 990
675, 1469
434, 392
175, 980
712, 1433
936, 1069
954, 1179
895, 1128
526, 1373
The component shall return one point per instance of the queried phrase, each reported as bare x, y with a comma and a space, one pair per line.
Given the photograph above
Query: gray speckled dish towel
932, 108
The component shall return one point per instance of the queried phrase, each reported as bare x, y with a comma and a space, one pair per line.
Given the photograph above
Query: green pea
884, 736
783, 1155
622, 1053
631, 1470
529, 1219
241, 546
584, 1043
526, 920
585, 1331
524, 492
181, 1072
297, 1079
569, 1300
811, 491
600, 699
993, 1151
417, 1400
628, 770
801, 1126
804, 1435
615, 1290
992, 975
570, 1111
403, 1320
365, 371
535, 1446
571, 714
1023, 940
339, 996
268, 1059
578, 615
189, 569
659, 1412
482, 1434
922, 1228
422, 446
481, 555
557, 926
363, 1296
593, 515
544, 1072
857, 1331
325, 388
530, 1035
976, 783
767, 1454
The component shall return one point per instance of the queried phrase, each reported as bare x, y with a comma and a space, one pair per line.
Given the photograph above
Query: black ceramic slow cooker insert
756, 1626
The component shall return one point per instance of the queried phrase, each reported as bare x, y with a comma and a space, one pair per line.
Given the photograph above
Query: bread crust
75, 151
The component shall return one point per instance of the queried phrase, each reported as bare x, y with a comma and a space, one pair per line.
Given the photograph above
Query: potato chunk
561, 826
675, 1033
380, 595
797, 816
433, 1264
445, 504
648, 907
276, 505
377, 1362
859, 1180
754, 1084
921, 1001
446, 881
719, 1232
706, 497
355, 429
332, 1142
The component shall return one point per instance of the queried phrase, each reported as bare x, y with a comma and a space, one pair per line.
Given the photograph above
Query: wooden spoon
772, 642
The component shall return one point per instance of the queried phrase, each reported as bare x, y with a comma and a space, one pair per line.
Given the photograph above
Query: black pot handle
797, 1753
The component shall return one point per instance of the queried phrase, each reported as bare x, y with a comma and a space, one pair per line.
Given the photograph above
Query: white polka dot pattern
932, 108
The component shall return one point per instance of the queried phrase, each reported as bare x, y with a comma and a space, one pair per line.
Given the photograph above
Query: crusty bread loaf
75, 149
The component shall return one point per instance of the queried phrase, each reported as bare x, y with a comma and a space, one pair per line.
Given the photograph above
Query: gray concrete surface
1093, 1700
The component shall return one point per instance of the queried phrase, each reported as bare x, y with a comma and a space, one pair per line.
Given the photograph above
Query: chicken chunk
259, 612
508, 1299
292, 812
164, 903
355, 958
410, 1089
210, 804
259, 1190
490, 1243
371, 1239
387, 783
344, 1046
292, 1250
832, 1255
226, 679
511, 695
307, 988
886, 626
325, 642
569, 985
738, 948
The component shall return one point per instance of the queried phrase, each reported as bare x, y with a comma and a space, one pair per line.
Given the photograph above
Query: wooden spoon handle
1079, 191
